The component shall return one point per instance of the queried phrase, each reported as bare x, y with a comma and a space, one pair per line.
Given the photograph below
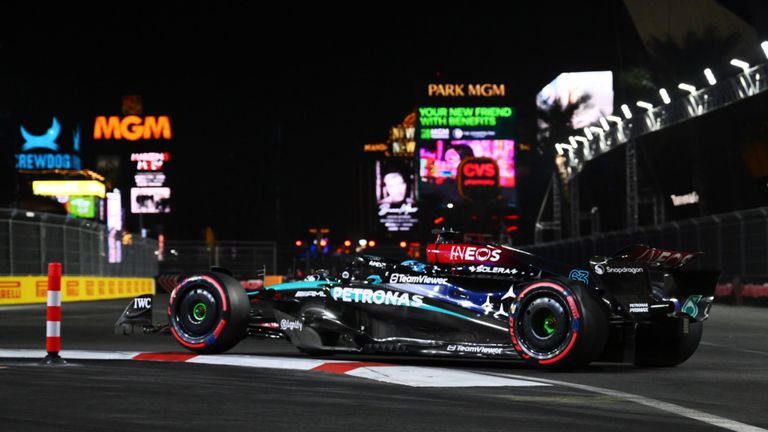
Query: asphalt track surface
724, 386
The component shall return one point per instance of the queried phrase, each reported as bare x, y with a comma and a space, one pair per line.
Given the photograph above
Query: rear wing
655, 258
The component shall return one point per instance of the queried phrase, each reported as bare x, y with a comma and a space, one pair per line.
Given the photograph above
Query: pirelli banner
33, 289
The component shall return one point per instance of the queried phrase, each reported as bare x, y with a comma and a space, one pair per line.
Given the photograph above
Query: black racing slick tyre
558, 324
208, 313
666, 343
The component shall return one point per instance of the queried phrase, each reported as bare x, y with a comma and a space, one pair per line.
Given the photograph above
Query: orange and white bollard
53, 315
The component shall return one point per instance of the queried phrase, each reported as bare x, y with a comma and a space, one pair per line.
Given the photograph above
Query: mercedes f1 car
469, 300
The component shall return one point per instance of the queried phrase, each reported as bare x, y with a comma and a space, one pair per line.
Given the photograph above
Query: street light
664, 96
710, 76
744, 66
626, 111
687, 87
646, 105
561, 147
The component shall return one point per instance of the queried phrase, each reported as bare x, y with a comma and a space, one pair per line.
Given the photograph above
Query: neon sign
132, 128
478, 176
463, 116
47, 142
466, 90
81, 206
68, 188
151, 161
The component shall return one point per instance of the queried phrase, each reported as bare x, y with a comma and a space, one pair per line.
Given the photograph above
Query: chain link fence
243, 258
30, 240
736, 243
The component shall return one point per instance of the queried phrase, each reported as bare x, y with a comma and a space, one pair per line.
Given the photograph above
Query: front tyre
557, 324
208, 313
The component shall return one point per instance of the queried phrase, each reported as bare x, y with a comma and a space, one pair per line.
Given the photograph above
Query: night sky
270, 109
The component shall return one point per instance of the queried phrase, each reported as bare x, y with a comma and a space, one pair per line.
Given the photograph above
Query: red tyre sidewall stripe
219, 328
183, 342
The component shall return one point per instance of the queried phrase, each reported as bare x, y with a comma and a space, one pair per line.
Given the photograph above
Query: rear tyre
665, 343
558, 324
208, 313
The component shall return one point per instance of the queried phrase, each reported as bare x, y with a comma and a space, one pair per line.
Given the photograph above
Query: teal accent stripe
293, 286
444, 311
447, 312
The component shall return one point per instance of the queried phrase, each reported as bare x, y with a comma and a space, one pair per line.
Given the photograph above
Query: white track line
437, 377
734, 349
653, 403
412, 376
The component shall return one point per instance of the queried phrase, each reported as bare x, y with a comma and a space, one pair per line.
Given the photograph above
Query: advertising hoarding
439, 162
150, 200
395, 185
596, 88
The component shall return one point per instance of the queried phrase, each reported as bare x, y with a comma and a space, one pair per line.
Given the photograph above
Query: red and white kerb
53, 316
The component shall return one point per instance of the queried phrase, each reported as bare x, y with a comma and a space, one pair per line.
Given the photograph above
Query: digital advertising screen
395, 185
595, 89
150, 200
81, 206
439, 162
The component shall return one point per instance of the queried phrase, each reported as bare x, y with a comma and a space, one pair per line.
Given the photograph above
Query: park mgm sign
466, 90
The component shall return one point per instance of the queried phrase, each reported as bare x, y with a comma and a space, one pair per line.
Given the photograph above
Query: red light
511, 217
403, 244
512, 228
439, 220
371, 243
298, 243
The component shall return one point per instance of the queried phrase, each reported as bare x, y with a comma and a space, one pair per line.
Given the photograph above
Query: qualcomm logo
44, 141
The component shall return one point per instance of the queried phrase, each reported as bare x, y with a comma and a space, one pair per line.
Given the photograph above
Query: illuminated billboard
149, 179
396, 194
150, 200
114, 210
44, 151
81, 206
439, 162
68, 188
592, 90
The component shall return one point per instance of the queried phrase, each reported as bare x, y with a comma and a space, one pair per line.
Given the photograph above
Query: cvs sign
478, 178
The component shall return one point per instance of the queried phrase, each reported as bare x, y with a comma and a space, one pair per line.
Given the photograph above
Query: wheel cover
543, 325
195, 312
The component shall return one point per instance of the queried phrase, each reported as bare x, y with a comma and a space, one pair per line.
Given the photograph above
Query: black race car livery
469, 300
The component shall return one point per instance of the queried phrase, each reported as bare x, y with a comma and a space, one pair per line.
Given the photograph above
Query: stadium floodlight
744, 66
562, 147
646, 105
588, 133
626, 111
710, 76
664, 96
687, 87
604, 123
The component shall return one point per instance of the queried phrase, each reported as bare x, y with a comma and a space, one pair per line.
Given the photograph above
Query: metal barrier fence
700, 101
243, 258
30, 240
736, 243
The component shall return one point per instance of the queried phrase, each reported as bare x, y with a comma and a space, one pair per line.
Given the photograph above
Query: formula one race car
469, 300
